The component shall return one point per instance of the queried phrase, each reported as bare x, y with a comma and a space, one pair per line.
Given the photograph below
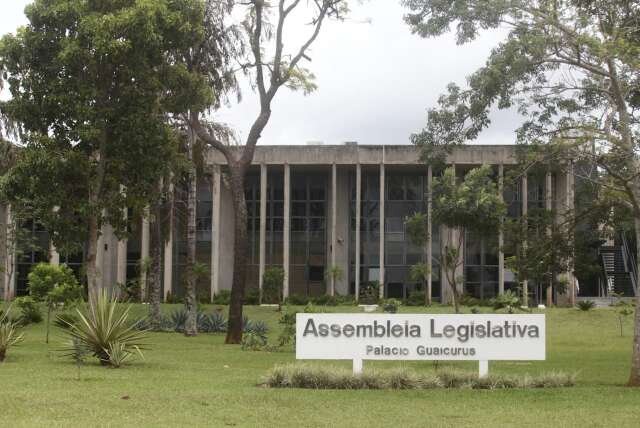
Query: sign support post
483, 368
357, 366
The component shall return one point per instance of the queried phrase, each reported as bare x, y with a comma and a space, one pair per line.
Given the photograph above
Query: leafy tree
91, 83
268, 75
569, 66
472, 205
272, 282
53, 285
418, 232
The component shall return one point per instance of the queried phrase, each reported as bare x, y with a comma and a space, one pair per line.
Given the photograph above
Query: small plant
217, 323
222, 298
475, 310
297, 300
252, 297
106, 330
507, 300
130, 291
258, 328
288, 333
29, 310
586, 305
420, 273
391, 306
623, 313
325, 300
78, 352
253, 342
178, 319
370, 293
9, 334
55, 286
415, 298
272, 285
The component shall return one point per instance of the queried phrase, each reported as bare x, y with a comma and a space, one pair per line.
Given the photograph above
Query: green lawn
201, 382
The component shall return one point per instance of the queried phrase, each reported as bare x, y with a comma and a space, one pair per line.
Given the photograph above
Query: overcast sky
375, 81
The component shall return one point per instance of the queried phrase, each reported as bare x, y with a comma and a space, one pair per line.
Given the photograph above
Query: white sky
375, 81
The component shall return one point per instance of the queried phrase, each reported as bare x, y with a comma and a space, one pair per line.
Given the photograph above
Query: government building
316, 208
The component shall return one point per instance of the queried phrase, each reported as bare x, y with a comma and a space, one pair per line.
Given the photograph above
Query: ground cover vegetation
218, 381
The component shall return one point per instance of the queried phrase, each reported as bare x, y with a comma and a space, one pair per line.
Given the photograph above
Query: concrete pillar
525, 209
382, 228
54, 256
548, 205
168, 253
263, 225
121, 268
216, 190
334, 236
570, 211
501, 233
429, 243
145, 245
358, 222
286, 228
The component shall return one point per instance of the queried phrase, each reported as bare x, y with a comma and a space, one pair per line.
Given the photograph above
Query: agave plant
178, 319
105, 329
217, 323
9, 334
258, 328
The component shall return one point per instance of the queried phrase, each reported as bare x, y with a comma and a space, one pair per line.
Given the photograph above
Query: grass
201, 382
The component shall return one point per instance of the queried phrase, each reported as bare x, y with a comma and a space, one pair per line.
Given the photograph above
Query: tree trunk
190, 301
155, 270
92, 256
634, 377
236, 182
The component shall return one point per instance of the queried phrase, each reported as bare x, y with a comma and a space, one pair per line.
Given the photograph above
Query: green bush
253, 342
324, 300
346, 300
586, 305
130, 291
507, 300
370, 293
322, 377
416, 298
252, 297
106, 330
297, 300
272, 285
29, 310
222, 298
391, 305
9, 334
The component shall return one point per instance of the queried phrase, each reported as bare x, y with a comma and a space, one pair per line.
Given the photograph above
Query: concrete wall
3, 249
342, 228
227, 236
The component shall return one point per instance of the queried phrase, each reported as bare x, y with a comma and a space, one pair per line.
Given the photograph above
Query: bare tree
268, 76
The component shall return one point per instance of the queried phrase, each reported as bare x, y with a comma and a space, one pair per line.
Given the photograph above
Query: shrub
416, 298
324, 300
252, 297
370, 293
222, 298
586, 305
130, 291
323, 377
253, 342
391, 306
217, 323
29, 310
272, 284
258, 328
507, 300
178, 319
297, 300
345, 300
9, 334
106, 330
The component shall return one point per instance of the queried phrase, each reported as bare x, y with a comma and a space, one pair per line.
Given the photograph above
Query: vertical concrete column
216, 190
358, 222
334, 216
501, 233
525, 209
286, 228
263, 225
145, 245
168, 253
54, 256
382, 228
570, 212
429, 232
548, 205
121, 263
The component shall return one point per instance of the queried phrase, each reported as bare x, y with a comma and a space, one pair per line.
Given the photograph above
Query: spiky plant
9, 334
105, 324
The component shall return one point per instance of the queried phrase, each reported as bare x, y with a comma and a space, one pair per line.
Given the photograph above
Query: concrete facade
348, 243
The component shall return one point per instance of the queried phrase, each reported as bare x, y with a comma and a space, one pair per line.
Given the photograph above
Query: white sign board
476, 337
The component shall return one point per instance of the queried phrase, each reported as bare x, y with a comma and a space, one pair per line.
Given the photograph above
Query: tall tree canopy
571, 67
91, 83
